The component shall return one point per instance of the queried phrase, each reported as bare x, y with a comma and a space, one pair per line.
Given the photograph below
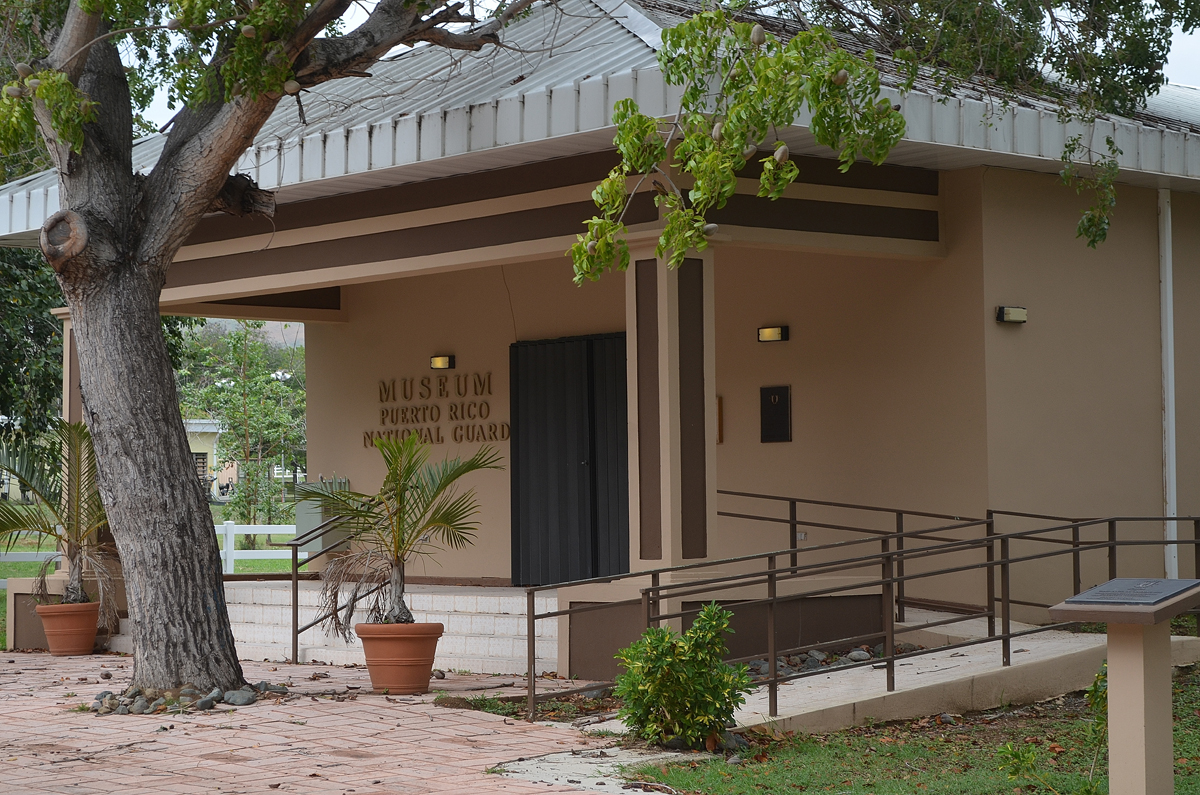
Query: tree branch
241, 196
78, 31
319, 17
391, 24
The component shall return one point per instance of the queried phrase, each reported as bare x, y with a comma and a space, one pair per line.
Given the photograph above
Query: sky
1183, 65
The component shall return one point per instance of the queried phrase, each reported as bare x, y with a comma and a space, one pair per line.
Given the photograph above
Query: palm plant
59, 470
417, 512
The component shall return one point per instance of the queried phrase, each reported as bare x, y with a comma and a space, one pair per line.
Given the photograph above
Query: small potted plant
417, 511
59, 471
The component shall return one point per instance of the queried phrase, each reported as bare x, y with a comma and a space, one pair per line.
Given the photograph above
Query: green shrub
678, 686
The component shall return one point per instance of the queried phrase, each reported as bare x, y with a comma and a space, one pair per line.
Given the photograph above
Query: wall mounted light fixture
1012, 314
773, 334
441, 362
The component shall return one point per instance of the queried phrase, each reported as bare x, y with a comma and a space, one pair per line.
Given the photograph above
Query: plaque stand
1141, 759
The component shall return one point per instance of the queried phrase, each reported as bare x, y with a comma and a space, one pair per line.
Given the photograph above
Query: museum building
927, 334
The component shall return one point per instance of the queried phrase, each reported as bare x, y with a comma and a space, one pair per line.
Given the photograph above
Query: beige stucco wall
885, 363
1074, 395
395, 326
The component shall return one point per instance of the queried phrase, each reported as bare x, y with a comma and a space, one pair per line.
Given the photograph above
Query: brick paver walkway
317, 740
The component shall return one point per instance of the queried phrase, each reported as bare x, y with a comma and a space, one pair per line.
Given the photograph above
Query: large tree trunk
111, 249
156, 507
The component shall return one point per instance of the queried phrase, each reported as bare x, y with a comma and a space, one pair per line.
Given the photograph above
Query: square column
672, 410
1140, 757
72, 399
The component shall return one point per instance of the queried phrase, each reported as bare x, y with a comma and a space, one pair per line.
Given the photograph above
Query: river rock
103, 694
158, 702
204, 703
140, 706
733, 742
111, 702
150, 693
818, 655
132, 692
95, 706
858, 655
216, 695
812, 664
239, 698
122, 710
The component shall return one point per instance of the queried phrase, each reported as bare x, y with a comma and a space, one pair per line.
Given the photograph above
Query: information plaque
1128, 591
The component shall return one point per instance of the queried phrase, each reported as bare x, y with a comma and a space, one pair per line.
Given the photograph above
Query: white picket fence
228, 532
230, 554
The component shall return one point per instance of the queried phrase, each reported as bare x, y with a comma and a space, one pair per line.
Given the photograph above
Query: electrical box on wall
1012, 314
775, 411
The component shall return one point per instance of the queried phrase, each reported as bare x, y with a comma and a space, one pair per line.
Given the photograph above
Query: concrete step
427, 598
455, 623
485, 627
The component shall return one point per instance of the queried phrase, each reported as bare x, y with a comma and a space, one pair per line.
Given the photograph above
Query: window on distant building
201, 461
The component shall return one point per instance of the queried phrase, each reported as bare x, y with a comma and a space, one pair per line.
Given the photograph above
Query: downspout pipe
1166, 297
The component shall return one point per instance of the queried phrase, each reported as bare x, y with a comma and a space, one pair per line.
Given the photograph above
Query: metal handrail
651, 596
792, 551
891, 559
849, 505
318, 532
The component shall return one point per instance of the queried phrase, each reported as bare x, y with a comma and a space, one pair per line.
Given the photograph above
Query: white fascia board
967, 132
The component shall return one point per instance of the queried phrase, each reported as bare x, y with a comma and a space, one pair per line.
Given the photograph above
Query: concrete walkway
330, 735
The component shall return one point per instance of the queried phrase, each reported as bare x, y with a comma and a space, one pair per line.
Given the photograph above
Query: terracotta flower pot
70, 629
399, 656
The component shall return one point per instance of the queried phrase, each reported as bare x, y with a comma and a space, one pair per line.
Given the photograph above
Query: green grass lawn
262, 566
24, 568
925, 757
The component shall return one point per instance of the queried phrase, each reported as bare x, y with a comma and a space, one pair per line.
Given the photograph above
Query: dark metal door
570, 463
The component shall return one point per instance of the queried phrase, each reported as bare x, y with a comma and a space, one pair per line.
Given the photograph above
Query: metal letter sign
775, 410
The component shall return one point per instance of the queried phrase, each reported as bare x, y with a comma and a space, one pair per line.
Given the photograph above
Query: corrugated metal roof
549, 92
564, 43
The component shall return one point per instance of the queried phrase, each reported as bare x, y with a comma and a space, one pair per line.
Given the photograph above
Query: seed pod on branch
718, 129
750, 151
174, 24
710, 230
24, 70
248, 31
13, 91
291, 87
591, 248
782, 154
33, 84
841, 77
758, 36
